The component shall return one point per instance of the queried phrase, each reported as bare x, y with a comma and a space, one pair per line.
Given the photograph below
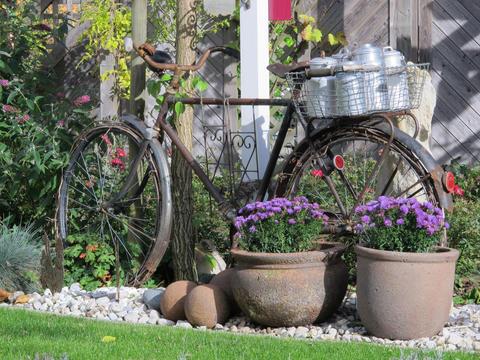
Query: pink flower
4, 82
317, 173
457, 190
61, 123
24, 119
106, 139
121, 153
60, 95
81, 100
117, 162
9, 108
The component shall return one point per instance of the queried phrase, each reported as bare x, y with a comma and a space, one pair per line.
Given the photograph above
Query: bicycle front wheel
105, 208
343, 167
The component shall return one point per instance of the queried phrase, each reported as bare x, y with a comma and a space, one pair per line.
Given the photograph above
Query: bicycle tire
410, 151
155, 171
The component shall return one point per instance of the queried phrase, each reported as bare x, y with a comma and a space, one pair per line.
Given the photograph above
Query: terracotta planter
404, 295
290, 289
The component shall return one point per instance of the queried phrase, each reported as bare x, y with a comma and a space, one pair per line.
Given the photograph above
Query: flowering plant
279, 225
398, 224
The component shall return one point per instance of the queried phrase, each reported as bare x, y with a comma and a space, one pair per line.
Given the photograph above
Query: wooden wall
445, 33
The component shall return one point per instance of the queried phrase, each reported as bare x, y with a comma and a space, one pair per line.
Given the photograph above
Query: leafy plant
279, 225
208, 222
467, 179
110, 22
20, 248
36, 126
464, 235
398, 224
88, 261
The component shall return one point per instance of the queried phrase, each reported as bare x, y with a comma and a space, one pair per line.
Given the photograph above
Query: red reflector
449, 181
338, 162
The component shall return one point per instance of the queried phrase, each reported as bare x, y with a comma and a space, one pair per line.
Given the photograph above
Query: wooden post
139, 36
183, 243
254, 75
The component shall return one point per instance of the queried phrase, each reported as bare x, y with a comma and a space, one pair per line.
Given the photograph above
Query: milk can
397, 79
342, 56
320, 91
376, 94
350, 92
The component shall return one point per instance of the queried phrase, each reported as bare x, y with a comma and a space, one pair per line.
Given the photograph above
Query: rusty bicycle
117, 185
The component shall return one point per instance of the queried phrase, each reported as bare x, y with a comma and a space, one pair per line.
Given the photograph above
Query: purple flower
404, 209
4, 82
366, 219
447, 225
292, 221
252, 229
400, 221
387, 222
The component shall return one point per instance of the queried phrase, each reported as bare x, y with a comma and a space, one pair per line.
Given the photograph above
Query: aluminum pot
376, 94
342, 56
350, 93
397, 79
320, 92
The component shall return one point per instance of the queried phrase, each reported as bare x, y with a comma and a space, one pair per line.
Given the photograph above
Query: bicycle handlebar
146, 51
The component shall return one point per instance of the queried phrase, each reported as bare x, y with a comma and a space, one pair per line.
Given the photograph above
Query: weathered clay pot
404, 295
290, 289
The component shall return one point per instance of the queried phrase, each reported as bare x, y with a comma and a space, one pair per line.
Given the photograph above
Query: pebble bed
462, 332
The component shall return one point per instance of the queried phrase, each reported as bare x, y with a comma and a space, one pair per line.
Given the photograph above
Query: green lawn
23, 334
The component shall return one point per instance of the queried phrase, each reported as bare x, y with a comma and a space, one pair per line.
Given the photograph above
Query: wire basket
358, 93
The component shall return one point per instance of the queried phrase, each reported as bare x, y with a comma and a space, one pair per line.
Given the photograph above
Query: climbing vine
110, 22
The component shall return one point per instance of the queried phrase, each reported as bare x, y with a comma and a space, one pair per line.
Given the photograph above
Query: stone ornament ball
173, 300
207, 305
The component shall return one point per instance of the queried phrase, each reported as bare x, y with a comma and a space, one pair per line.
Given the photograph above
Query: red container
279, 10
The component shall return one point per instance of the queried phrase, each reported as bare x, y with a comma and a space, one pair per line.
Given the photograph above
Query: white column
255, 78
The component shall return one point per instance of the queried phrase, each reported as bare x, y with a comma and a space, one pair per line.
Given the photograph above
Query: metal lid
367, 49
320, 62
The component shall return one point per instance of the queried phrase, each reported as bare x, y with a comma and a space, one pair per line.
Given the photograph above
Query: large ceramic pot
404, 295
290, 289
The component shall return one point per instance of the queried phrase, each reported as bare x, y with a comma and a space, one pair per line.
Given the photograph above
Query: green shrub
37, 124
20, 248
208, 222
464, 235
468, 179
89, 261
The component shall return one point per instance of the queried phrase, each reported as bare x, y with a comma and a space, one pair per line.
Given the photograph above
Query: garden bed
462, 332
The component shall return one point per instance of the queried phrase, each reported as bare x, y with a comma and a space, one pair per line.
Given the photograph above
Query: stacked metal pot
359, 92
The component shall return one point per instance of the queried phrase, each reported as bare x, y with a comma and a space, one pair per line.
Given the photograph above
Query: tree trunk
183, 242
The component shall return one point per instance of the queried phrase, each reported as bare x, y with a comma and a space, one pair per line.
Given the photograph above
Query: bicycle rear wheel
342, 167
135, 227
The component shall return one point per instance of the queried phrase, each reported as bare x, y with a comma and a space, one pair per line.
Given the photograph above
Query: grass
26, 334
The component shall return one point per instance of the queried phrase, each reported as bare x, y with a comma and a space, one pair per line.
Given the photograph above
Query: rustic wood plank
424, 24
372, 16
468, 90
472, 6
450, 148
439, 152
463, 17
468, 56
451, 29
460, 110
452, 126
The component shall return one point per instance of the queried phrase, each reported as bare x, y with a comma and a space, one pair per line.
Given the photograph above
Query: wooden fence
445, 33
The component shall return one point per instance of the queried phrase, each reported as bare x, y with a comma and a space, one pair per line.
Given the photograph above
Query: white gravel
462, 332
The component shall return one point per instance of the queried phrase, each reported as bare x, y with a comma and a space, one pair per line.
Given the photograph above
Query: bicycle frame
227, 209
